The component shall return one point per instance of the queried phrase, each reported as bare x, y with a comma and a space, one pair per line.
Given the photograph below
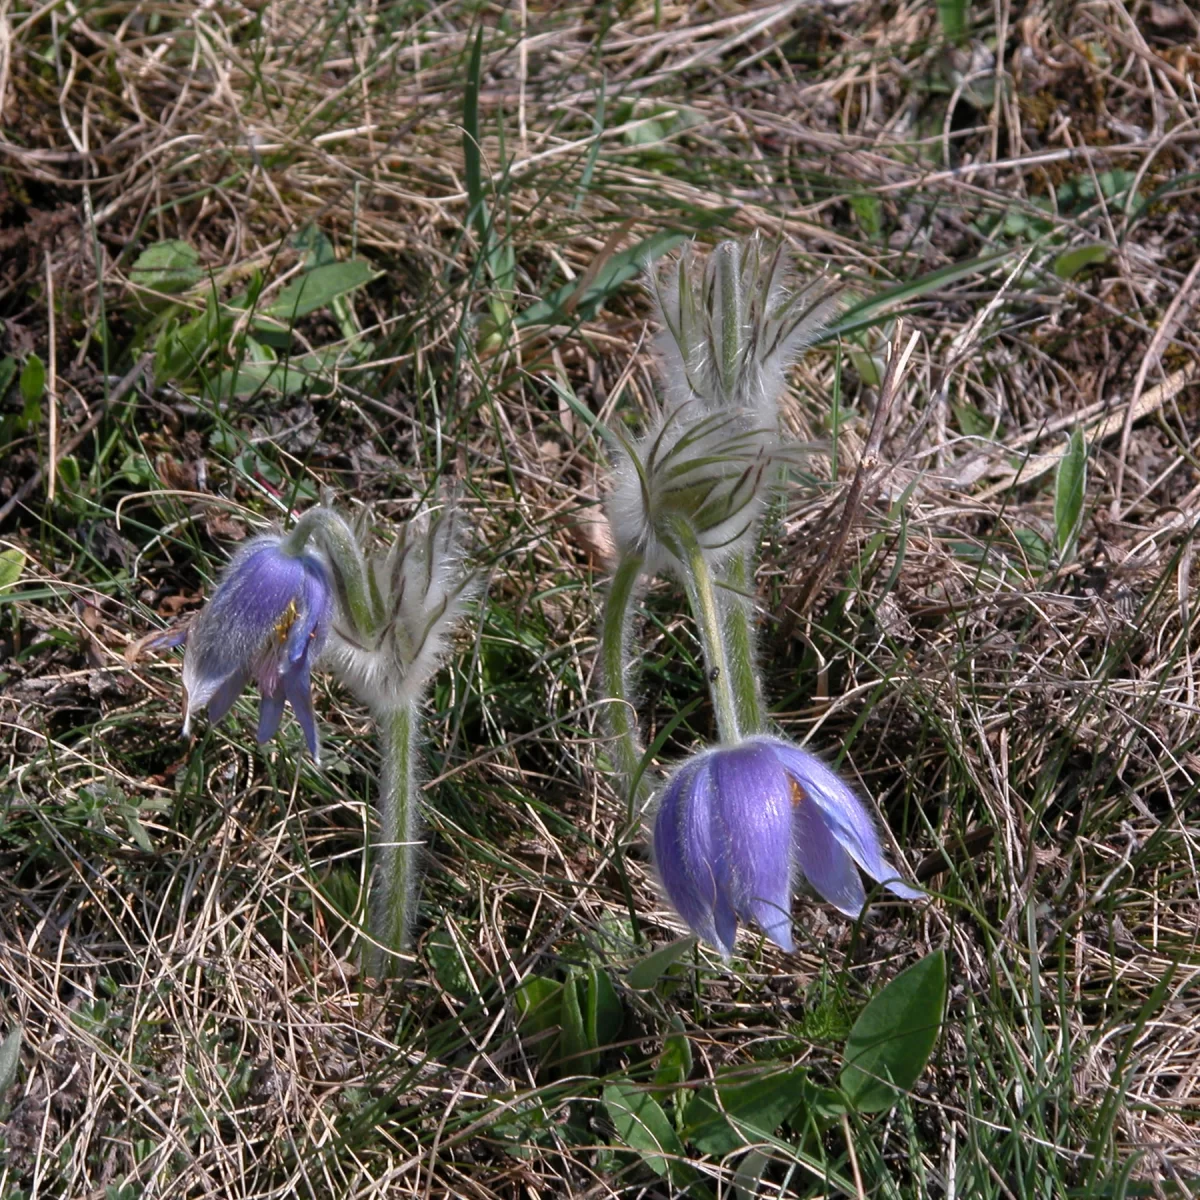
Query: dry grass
174, 940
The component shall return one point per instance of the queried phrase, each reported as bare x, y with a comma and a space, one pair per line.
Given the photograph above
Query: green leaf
539, 1005
641, 1124
868, 212
971, 421
894, 1035
648, 971
8, 372
1070, 262
68, 472
319, 287
137, 831
871, 310
33, 379
750, 1109
675, 1060
953, 18
472, 159
12, 563
870, 369
10, 1059
171, 266
449, 968
603, 1014
1070, 484
576, 1049
619, 269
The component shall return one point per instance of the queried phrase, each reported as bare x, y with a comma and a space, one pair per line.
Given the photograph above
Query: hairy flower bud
734, 322
708, 469
420, 589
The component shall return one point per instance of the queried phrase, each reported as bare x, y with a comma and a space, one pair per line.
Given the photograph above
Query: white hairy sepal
734, 322
712, 469
422, 587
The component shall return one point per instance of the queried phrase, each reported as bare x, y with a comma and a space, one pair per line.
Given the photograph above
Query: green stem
699, 584
395, 870
622, 717
739, 644
341, 547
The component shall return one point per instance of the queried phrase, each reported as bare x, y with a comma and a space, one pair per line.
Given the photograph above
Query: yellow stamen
798, 796
288, 618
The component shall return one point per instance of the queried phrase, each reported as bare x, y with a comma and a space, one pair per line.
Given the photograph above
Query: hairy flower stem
739, 646
614, 649
395, 871
702, 597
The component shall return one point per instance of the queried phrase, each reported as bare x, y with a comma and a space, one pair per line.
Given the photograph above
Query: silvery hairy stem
614, 648
395, 869
737, 624
698, 583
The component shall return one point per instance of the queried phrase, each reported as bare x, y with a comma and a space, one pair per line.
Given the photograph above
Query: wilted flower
737, 824
267, 621
419, 589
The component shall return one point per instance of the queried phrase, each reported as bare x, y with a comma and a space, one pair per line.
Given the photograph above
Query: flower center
798, 796
287, 619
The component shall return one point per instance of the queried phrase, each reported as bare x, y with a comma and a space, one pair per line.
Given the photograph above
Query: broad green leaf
1035, 547
750, 1109
1070, 262
12, 563
33, 379
317, 288
1070, 484
137, 831
641, 1124
446, 959
8, 372
648, 971
10, 1059
870, 369
748, 1178
171, 266
894, 1035
248, 378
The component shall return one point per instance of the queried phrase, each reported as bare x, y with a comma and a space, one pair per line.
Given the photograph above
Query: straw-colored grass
176, 920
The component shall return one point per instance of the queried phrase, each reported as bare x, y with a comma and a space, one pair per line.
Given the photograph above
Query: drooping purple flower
738, 824
266, 622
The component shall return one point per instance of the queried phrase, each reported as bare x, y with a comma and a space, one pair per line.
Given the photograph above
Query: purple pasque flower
267, 621
738, 824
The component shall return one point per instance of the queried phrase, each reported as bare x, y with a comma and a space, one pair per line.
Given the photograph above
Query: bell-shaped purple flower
267, 621
738, 824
